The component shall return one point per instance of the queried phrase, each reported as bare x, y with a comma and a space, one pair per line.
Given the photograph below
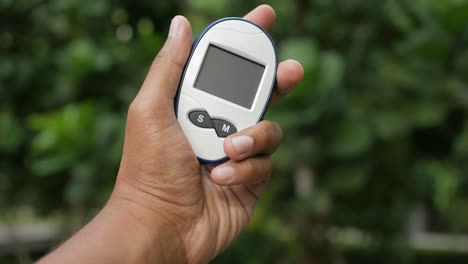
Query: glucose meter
226, 85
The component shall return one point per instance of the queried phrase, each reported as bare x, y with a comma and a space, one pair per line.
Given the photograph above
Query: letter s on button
200, 119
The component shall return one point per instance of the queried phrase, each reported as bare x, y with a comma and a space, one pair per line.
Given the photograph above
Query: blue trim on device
194, 45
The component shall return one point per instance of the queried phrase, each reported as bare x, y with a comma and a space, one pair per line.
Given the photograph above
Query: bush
376, 131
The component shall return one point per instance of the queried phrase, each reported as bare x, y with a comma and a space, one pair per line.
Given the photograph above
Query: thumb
160, 86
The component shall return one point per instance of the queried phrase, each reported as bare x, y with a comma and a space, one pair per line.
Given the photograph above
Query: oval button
223, 128
201, 119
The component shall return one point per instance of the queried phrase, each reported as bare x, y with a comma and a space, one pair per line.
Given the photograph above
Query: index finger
263, 15
262, 138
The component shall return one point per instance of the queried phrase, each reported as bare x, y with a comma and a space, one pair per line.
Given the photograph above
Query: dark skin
166, 207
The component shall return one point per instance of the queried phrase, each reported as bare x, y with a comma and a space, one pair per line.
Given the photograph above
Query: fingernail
242, 143
175, 26
224, 173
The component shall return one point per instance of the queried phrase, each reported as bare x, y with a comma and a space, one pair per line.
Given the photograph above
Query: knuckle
259, 169
251, 167
169, 55
137, 110
279, 130
270, 136
269, 167
265, 133
160, 59
134, 109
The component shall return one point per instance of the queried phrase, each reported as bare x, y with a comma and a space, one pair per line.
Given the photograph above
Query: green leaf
347, 139
212, 6
460, 145
63, 128
331, 72
348, 179
445, 179
398, 15
80, 187
303, 50
427, 114
52, 164
390, 124
11, 132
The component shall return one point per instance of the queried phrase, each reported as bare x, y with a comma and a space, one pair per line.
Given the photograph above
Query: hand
160, 172
186, 213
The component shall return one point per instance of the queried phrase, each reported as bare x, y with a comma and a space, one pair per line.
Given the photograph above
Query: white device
226, 85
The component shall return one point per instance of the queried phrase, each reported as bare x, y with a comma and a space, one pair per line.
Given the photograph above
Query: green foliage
378, 126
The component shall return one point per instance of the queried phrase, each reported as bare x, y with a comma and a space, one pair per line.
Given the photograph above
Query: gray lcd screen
229, 76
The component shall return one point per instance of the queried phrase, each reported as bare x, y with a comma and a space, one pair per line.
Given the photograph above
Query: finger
161, 83
250, 171
290, 74
262, 138
263, 15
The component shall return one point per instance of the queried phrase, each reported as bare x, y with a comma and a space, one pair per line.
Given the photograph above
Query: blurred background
374, 164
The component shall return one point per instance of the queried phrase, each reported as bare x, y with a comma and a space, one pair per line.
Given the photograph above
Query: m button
201, 119
223, 128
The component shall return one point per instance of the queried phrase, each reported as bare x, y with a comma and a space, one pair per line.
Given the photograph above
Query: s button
201, 119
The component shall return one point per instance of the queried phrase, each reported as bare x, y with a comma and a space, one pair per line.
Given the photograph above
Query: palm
226, 210
216, 213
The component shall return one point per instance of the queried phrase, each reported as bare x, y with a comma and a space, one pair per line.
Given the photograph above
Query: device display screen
229, 76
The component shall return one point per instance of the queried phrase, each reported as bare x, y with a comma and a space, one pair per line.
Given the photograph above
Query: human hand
160, 176
166, 207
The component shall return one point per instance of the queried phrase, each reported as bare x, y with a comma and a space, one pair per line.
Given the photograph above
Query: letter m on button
223, 128
226, 128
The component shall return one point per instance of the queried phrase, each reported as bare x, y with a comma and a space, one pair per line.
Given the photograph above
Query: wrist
153, 238
122, 232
